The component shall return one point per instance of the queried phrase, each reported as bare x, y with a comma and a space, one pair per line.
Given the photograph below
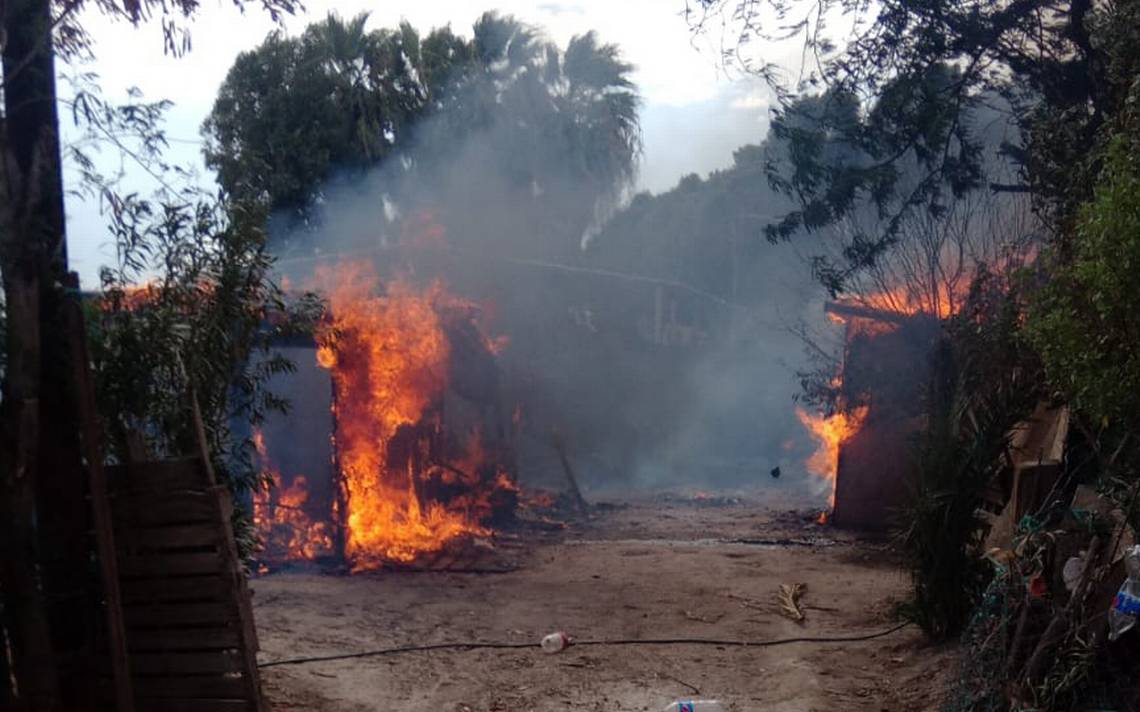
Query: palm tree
602, 103
503, 42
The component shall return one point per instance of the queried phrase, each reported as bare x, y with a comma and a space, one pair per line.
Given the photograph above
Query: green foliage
841, 157
1083, 319
294, 108
190, 306
202, 329
982, 383
72, 41
295, 112
199, 326
919, 68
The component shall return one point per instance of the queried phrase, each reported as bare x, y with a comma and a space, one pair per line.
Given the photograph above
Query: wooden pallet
190, 637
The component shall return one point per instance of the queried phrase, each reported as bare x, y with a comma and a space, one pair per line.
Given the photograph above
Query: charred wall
886, 365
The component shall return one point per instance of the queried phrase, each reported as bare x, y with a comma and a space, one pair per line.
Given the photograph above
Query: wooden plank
91, 436
179, 536
138, 477
170, 564
189, 588
148, 497
181, 507
191, 705
187, 686
173, 615
187, 639
166, 475
241, 598
178, 547
185, 663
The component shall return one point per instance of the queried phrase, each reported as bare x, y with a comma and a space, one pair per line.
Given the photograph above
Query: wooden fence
189, 630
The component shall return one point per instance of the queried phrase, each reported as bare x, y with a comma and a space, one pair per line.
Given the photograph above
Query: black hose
585, 643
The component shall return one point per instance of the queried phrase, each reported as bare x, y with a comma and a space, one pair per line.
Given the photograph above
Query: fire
389, 356
942, 301
279, 514
868, 316
830, 432
130, 297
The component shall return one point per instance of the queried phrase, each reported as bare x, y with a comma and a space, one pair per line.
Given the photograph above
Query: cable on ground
588, 643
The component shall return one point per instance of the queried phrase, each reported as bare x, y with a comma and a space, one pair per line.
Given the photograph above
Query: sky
695, 112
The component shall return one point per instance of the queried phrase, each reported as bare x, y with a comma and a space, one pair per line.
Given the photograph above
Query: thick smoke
650, 379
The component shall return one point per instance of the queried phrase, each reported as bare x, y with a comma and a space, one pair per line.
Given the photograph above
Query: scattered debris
555, 642
789, 599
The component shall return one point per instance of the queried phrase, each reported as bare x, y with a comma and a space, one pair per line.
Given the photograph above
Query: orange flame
830, 432
286, 530
389, 357
943, 301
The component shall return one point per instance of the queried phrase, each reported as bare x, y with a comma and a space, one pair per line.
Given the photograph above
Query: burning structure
419, 455
863, 448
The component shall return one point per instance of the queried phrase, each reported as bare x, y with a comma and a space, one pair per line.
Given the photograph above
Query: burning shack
884, 373
398, 447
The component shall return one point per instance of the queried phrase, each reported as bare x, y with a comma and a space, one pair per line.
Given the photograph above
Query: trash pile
1053, 629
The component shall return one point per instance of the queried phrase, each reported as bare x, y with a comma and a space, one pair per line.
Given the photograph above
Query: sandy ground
660, 568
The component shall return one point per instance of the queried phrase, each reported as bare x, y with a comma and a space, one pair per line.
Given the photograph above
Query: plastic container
1126, 606
555, 642
695, 706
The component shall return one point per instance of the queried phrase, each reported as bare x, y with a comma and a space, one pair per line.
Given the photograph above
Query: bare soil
663, 568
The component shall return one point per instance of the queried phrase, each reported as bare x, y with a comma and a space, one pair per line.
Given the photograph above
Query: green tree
560, 127
295, 109
1083, 319
1051, 61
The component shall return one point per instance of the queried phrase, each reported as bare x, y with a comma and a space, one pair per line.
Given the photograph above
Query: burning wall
889, 368
408, 473
864, 451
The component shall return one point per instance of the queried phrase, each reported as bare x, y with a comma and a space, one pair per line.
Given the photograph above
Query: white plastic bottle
695, 706
555, 642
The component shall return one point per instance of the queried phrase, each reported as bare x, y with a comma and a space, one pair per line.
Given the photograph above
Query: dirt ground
665, 567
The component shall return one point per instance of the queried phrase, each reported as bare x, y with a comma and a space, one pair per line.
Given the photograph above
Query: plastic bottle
1126, 606
555, 642
695, 706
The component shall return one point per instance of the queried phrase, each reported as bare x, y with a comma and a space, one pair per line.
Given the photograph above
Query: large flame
830, 432
388, 355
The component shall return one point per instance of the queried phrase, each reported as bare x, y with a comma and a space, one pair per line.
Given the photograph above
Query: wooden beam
560, 448
858, 311
91, 437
